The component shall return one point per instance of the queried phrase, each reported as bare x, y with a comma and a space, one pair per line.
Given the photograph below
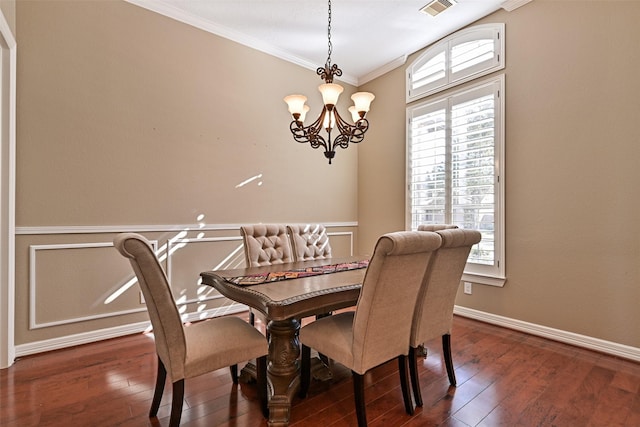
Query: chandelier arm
350, 133
358, 130
311, 133
344, 129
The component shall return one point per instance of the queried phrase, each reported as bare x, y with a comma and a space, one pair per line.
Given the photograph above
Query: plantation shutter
452, 158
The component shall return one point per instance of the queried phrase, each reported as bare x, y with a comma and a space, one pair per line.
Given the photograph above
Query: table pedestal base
283, 372
284, 351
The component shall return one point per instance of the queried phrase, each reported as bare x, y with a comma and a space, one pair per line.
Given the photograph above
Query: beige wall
572, 175
128, 119
8, 8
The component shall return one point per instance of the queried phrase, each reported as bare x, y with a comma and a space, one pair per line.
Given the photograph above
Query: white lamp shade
354, 114
296, 104
330, 93
362, 101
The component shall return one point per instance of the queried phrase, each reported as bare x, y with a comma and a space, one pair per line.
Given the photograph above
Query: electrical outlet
467, 288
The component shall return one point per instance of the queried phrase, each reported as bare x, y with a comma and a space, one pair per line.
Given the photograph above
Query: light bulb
305, 110
354, 114
329, 120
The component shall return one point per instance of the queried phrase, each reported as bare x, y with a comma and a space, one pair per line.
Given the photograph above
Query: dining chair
378, 330
434, 307
265, 244
309, 241
187, 352
421, 350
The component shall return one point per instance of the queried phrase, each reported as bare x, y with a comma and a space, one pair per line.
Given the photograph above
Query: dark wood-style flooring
505, 378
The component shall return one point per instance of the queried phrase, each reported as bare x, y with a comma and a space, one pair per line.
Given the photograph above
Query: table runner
275, 276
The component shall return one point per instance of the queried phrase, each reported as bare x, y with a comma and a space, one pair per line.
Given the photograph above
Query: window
463, 56
455, 160
455, 143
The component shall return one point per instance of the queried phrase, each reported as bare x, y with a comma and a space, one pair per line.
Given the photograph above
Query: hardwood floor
505, 378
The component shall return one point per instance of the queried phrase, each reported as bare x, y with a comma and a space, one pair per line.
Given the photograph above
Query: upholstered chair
309, 241
421, 350
266, 244
433, 315
186, 352
378, 330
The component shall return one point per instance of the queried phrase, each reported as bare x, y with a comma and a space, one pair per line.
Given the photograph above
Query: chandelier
329, 119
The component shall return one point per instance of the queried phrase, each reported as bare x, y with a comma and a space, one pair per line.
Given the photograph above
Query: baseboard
608, 347
108, 333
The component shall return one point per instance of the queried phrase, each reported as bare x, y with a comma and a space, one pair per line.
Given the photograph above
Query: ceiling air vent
437, 6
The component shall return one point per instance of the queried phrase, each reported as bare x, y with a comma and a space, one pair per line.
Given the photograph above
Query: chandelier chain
329, 71
329, 36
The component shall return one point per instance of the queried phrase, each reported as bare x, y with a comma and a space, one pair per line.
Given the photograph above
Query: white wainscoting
33, 284
165, 253
107, 333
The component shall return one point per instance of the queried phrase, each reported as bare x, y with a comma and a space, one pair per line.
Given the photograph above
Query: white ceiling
369, 38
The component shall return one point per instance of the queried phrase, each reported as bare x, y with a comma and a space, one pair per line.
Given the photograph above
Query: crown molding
230, 34
398, 62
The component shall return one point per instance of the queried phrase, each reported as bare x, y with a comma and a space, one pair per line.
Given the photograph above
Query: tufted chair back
266, 244
309, 241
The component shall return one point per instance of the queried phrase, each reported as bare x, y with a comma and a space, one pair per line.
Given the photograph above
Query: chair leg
448, 361
161, 377
325, 360
234, 373
358, 392
261, 384
404, 384
413, 372
305, 371
176, 403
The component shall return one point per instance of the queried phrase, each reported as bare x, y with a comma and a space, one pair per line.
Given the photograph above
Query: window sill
484, 280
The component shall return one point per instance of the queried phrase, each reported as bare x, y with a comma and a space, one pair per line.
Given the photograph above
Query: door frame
8, 49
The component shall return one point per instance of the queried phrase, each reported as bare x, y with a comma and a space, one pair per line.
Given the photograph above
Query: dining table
284, 294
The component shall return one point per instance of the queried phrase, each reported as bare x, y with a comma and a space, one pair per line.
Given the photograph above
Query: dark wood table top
299, 297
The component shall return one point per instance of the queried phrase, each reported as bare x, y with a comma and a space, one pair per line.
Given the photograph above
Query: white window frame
493, 31
474, 272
